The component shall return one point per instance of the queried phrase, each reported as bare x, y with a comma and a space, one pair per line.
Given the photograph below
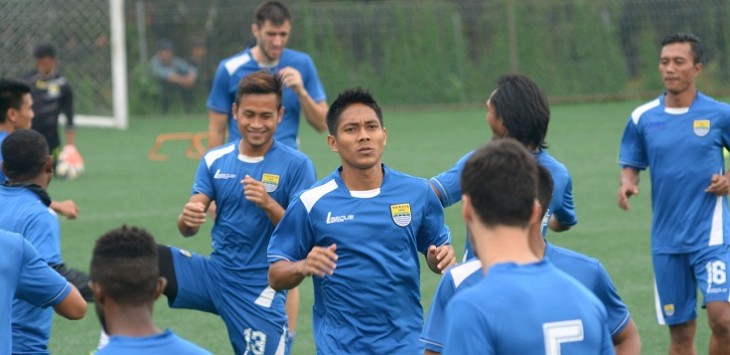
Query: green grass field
122, 186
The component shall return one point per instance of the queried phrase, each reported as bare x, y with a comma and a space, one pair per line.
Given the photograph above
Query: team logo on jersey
401, 214
54, 90
219, 175
701, 127
271, 182
669, 309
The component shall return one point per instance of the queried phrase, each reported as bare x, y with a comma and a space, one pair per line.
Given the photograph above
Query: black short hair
523, 109
25, 153
124, 264
44, 50
500, 179
347, 98
11, 96
260, 83
272, 11
694, 41
544, 188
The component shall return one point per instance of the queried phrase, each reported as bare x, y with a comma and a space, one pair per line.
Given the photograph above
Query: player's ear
48, 166
536, 215
281, 114
466, 209
332, 142
234, 110
255, 30
161, 284
385, 134
98, 292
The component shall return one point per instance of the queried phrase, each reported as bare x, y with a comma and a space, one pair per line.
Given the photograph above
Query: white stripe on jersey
215, 154
266, 297
636, 115
236, 62
310, 197
716, 237
461, 272
658, 306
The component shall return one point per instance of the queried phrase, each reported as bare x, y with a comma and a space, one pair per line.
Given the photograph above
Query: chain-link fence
78, 29
406, 52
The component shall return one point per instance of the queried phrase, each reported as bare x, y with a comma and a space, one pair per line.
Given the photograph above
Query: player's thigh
197, 282
710, 266
256, 319
676, 288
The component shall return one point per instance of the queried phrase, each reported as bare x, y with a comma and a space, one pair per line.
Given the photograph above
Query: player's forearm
629, 176
285, 274
556, 226
275, 212
73, 306
70, 136
315, 113
628, 341
217, 123
186, 230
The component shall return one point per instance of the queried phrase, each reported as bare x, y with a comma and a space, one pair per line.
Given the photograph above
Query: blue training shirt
586, 270
371, 304
682, 148
232, 70
25, 276
166, 342
526, 309
242, 230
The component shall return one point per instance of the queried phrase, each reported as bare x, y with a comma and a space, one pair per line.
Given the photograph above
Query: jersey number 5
556, 333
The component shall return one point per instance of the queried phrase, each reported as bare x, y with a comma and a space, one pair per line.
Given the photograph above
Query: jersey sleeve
448, 183
293, 237
311, 81
433, 230
434, 330
632, 152
203, 181
305, 177
565, 213
67, 105
605, 290
467, 332
38, 283
219, 100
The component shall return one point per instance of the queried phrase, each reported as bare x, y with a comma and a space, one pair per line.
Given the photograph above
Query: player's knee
682, 334
718, 316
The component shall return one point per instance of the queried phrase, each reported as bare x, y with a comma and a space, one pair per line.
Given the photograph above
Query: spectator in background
174, 73
199, 58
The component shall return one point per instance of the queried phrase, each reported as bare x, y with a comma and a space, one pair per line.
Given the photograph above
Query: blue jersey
159, 344
242, 230
586, 270
3, 135
522, 309
371, 304
23, 212
686, 218
24, 275
232, 70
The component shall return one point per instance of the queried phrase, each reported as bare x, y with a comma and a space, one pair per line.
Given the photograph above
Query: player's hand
719, 185
320, 261
193, 214
623, 194
66, 208
442, 256
255, 192
292, 79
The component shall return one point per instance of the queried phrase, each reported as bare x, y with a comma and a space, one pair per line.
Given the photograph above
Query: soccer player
126, 282
679, 136
24, 210
25, 276
519, 306
518, 108
52, 95
303, 91
16, 112
358, 233
252, 180
588, 271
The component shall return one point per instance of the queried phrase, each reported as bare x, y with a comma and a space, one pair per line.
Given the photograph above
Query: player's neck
260, 58
362, 179
130, 321
502, 244
251, 151
682, 99
537, 242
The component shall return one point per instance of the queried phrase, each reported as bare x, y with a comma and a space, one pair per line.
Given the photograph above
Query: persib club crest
701, 127
401, 214
669, 309
271, 182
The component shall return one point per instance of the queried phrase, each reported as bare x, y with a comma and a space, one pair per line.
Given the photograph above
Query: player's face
257, 118
45, 65
359, 138
271, 39
677, 68
495, 123
23, 118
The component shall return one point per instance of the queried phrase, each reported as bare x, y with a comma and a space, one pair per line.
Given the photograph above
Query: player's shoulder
558, 255
713, 103
461, 272
311, 196
10, 241
554, 166
289, 152
646, 108
403, 178
218, 152
237, 61
295, 56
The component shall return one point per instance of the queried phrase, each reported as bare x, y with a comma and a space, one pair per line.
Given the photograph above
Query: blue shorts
254, 315
677, 277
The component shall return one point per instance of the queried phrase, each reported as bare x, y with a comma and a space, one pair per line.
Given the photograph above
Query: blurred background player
252, 180
174, 74
518, 108
25, 276
126, 283
519, 306
24, 209
16, 112
588, 271
679, 136
365, 224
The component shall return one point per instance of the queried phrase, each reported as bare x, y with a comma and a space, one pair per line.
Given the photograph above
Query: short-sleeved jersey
586, 270
52, 95
232, 70
23, 212
682, 149
166, 342
3, 135
522, 309
371, 304
242, 230
25, 275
